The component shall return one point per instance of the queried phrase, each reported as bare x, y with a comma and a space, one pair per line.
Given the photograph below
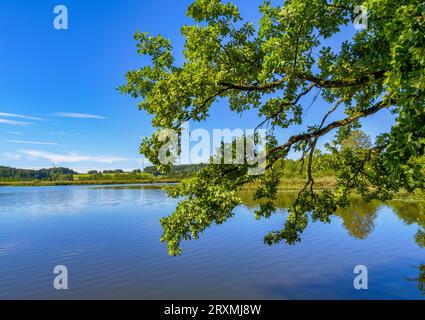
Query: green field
87, 182
125, 176
89, 179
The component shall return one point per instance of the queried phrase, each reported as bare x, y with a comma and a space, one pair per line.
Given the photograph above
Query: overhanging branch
336, 124
318, 82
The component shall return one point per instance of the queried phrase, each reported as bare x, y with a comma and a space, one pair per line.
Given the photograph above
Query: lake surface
108, 238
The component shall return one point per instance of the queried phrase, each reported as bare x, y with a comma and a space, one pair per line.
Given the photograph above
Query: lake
108, 238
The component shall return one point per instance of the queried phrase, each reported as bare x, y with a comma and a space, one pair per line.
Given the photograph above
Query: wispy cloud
71, 157
12, 156
20, 116
15, 132
57, 133
79, 115
14, 122
31, 142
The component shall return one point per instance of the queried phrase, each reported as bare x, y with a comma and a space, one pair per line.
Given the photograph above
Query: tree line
50, 174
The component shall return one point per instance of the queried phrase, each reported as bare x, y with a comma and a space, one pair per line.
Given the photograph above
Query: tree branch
336, 124
321, 83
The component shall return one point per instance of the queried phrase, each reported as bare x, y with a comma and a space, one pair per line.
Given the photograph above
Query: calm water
108, 237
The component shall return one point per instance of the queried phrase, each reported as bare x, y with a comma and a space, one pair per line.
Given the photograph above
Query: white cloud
12, 156
57, 133
31, 142
20, 116
14, 122
71, 157
15, 132
79, 115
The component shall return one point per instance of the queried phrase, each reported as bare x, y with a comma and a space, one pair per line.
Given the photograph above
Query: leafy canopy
276, 68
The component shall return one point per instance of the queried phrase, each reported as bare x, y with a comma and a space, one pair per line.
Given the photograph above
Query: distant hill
51, 174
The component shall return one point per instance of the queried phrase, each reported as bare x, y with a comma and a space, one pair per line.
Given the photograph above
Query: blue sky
58, 99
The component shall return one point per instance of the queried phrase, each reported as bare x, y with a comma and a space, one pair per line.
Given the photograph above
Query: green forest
51, 174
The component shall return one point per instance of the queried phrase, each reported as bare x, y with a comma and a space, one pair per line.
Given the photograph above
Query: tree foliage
183, 170
51, 174
275, 68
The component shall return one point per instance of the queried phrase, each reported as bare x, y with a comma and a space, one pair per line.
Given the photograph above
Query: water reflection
61, 200
130, 187
112, 233
420, 279
360, 218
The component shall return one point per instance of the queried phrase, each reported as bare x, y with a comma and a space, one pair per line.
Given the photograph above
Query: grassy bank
287, 185
38, 183
296, 184
291, 186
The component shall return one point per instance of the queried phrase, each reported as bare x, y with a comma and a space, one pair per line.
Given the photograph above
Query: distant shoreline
286, 186
77, 183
